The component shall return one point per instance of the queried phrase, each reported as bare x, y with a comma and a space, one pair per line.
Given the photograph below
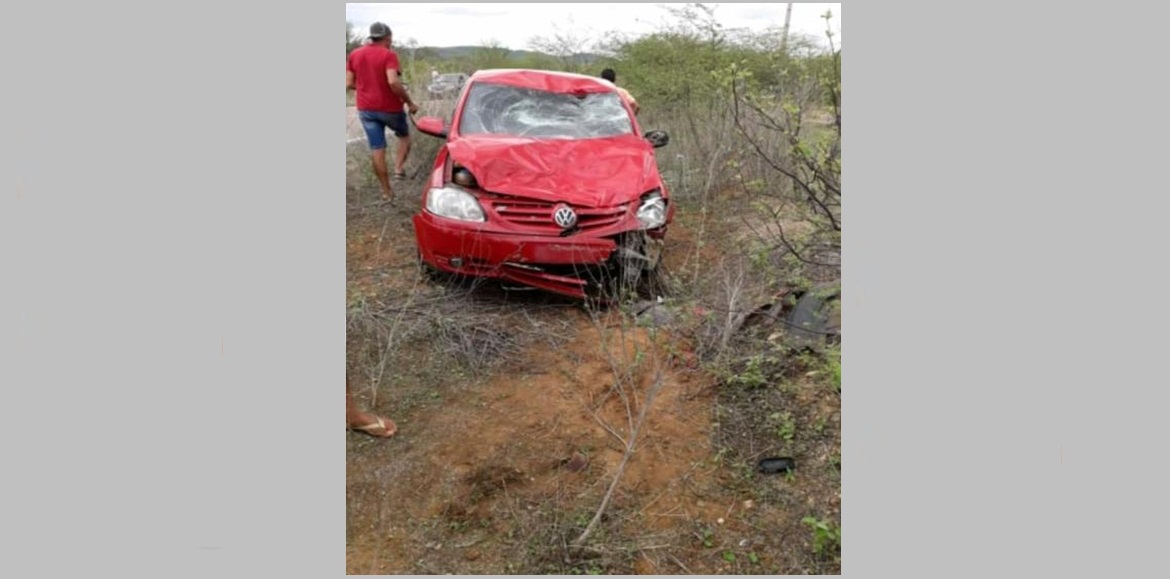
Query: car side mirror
657, 138
433, 126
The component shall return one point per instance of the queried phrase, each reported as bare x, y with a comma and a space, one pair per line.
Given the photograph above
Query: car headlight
652, 213
454, 203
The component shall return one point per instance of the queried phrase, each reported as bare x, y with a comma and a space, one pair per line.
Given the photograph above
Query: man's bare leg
379, 158
403, 152
365, 422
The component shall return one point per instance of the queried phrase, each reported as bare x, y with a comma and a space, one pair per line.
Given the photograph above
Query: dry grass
413, 345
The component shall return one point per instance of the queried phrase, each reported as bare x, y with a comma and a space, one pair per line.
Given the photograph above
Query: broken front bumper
564, 265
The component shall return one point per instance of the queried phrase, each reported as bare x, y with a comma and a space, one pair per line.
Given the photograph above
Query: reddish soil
527, 438
500, 474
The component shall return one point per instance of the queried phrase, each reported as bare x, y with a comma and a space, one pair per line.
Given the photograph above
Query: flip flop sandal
380, 427
400, 176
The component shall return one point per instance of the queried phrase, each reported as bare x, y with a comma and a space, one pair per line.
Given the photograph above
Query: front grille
537, 215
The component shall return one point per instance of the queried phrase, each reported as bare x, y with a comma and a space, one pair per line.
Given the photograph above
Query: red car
545, 180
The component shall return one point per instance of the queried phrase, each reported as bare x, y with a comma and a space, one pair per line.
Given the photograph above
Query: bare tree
780, 126
567, 44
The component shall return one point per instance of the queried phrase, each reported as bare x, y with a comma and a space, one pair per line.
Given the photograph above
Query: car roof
547, 80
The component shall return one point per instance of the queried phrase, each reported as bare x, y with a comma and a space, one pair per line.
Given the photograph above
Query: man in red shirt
373, 71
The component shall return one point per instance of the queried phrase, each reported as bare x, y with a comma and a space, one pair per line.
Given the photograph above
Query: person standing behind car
373, 72
611, 76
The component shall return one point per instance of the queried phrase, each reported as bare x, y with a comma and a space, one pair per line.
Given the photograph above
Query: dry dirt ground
513, 409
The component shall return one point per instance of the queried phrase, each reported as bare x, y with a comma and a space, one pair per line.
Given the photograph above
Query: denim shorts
375, 123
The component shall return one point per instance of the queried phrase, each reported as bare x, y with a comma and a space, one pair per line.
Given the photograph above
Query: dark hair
379, 31
609, 74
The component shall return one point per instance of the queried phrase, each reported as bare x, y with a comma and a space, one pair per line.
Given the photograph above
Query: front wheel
637, 266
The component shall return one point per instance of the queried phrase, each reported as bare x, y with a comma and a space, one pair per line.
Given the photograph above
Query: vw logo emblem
564, 216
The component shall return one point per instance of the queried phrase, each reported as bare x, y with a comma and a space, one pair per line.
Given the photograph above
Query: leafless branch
621, 469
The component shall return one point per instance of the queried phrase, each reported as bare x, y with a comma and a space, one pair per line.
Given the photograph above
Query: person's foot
400, 175
376, 426
387, 196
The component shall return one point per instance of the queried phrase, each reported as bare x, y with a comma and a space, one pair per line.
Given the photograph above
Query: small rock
577, 463
472, 555
748, 504
656, 315
719, 520
641, 307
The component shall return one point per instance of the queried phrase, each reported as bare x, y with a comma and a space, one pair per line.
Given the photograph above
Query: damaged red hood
589, 172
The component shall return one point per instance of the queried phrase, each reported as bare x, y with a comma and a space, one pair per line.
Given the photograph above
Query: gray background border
172, 185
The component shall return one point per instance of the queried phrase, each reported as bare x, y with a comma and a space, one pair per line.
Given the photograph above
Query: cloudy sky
513, 25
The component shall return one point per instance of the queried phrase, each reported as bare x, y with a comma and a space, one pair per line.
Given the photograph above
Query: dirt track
353, 127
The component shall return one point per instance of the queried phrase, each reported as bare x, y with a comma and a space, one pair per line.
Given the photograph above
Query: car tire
632, 276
